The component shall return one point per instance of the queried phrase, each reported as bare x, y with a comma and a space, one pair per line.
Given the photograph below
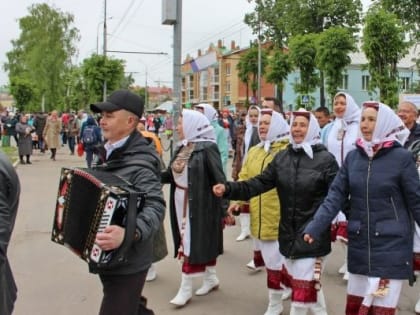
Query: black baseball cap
120, 99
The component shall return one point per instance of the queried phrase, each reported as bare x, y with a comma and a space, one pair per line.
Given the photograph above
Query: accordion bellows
87, 202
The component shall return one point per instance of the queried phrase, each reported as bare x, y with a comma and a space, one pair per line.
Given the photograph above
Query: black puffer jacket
145, 179
206, 210
302, 184
9, 200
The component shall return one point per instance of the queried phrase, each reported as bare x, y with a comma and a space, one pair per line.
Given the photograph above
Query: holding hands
308, 239
219, 190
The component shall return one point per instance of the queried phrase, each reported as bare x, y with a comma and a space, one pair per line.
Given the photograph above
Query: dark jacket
302, 184
144, 179
385, 196
206, 211
90, 121
9, 200
39, 123
414, 135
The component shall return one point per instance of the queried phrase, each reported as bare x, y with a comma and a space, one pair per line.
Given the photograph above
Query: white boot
210, 282
151, 273
287, 293
320, 307
244, 219
296, 310
185, 291
417, 307
251, 265
275, 302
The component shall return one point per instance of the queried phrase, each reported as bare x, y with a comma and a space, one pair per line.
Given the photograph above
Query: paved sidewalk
53, 281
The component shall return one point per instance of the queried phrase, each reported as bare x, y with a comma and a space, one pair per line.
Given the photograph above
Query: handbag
80, 149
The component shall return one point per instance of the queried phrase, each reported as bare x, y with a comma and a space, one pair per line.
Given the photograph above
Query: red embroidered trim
245, 208
258, 259
286, 277
416, 261
188, 268
353, 304
304, 291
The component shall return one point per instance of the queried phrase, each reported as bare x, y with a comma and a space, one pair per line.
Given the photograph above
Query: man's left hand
111, 238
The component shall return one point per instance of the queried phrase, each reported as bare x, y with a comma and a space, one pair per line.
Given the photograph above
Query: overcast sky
135, 25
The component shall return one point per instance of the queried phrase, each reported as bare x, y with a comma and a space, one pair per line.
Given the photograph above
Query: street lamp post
97, 34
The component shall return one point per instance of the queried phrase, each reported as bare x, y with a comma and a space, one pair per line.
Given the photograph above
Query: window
227, 69
365, 82
405, 83
227, 87
344, 82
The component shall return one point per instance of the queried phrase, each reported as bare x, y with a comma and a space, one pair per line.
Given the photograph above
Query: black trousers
122, 293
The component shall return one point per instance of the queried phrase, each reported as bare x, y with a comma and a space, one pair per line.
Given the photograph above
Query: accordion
87, 202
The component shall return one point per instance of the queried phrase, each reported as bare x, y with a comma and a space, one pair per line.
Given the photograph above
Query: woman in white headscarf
196, 215
264, 210
301, 175
381, 181
339, 137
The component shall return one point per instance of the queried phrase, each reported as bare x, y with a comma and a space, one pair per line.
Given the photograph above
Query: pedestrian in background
381, 181
339, 137
51, 133
9, 201
24, 130
91, 136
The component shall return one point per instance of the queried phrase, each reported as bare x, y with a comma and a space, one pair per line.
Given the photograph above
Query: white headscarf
312, 136
388, 127
249, 127
209, 111
196, 127
277, 131
348, 125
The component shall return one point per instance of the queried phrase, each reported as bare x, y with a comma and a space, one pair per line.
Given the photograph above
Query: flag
204, 62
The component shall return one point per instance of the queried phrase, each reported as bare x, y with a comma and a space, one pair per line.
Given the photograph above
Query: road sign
305, 99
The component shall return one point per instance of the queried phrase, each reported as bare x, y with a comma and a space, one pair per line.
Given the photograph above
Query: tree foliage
302, 54
384, 45
23, 93
407, 12
248, 68
279, 67
280, 20
96, 69
42, 53
334, 46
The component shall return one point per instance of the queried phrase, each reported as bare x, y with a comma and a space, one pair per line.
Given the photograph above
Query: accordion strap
131, 223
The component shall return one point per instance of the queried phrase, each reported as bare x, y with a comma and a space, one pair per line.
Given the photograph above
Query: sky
136, 25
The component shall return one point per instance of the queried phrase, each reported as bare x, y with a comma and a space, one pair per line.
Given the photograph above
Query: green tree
279, 68
407, 12
334, 45
96, 69
248, 68
384, 45
42, 53
281, 20
302, 55
23, 92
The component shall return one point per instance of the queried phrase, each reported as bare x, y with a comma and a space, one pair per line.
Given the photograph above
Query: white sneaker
151, 273
251, 265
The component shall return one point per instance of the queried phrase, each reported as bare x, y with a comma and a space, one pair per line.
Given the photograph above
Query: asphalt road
53, 281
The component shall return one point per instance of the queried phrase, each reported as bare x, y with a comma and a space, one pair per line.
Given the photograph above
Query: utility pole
172, 15
104, 52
